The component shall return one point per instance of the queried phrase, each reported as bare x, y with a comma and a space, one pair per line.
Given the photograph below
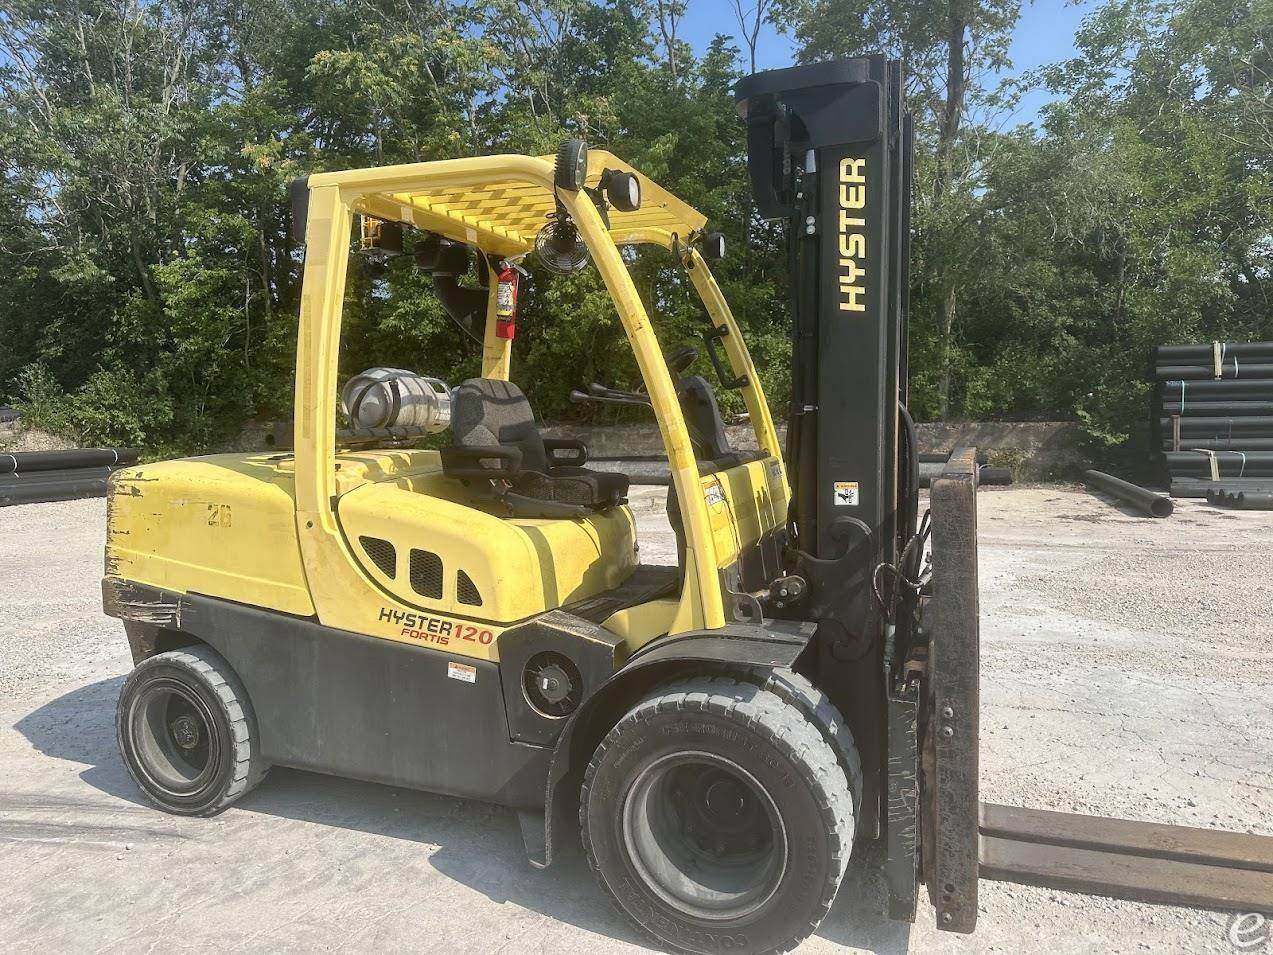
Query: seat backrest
703, 418
486, 412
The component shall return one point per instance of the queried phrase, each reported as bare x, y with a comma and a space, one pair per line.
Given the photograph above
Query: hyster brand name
852, 248
419, 626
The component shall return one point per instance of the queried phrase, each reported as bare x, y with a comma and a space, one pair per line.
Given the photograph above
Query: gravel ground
1127, 671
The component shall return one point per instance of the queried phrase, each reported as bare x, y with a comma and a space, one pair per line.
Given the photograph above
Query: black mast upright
828, 153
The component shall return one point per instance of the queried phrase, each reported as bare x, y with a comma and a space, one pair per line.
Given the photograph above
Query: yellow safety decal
846, 493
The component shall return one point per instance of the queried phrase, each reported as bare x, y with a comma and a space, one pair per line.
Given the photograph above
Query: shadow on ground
479, 845
1115, 504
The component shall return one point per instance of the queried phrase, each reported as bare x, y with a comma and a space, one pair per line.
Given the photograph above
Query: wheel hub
185, 731
173, 738
725, 800
704, 835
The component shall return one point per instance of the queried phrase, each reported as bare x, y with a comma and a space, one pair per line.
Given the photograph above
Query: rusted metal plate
951, 795
1136, 877
1214, 847
902, 812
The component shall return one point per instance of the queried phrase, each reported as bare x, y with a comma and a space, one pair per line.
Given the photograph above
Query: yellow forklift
477, 620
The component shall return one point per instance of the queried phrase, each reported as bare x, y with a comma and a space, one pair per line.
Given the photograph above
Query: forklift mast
829, 149
897, 650
829, 152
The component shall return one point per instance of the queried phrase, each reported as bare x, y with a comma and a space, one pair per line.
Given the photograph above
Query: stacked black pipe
932, 463
1212, 416
30, 477
1242, 500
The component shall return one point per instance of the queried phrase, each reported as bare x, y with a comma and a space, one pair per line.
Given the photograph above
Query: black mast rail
897, 645
829, 153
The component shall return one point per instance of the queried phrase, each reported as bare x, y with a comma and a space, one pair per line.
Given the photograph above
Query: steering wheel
681, 359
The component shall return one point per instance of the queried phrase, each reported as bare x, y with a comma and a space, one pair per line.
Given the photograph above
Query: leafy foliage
149, 285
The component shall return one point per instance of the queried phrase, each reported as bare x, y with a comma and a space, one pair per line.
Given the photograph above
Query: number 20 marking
470, 632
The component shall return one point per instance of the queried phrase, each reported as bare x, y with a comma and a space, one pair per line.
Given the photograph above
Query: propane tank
506, 302
396, 398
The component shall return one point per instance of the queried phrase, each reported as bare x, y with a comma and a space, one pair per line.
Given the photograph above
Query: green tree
1143, 215
149, 285
946, 46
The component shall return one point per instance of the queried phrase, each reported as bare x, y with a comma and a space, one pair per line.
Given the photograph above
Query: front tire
187, 732
718, 818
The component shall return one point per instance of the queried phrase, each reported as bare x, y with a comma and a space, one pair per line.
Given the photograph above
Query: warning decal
846, 494
504, 301
714, 493
462, 671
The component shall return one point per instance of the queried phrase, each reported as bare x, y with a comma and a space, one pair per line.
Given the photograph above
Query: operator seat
706, 426
492, 424
703, 419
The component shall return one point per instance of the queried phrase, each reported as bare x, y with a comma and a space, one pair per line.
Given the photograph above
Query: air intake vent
382, 554
466, 591
426, 574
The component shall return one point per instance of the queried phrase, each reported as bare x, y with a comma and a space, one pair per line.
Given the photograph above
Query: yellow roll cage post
497, 204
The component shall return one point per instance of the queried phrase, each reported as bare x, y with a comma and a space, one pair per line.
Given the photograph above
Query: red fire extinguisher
506, 303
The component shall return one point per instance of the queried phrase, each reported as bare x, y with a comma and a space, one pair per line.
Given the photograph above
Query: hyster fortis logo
852, 235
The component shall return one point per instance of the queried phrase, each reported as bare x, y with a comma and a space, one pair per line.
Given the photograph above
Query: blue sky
1044, 34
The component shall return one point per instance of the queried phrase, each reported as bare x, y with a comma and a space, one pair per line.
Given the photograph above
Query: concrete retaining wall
1035, 450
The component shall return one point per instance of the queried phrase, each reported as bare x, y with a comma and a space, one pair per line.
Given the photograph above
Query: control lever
601, 391
580, 398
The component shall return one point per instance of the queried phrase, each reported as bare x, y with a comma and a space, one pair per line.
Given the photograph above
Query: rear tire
718, 818
187, 732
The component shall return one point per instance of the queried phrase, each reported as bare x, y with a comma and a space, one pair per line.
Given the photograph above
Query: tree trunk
147, 288
956, 89
667, 28
952, 113
263, 217
948, 299
1120, 297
